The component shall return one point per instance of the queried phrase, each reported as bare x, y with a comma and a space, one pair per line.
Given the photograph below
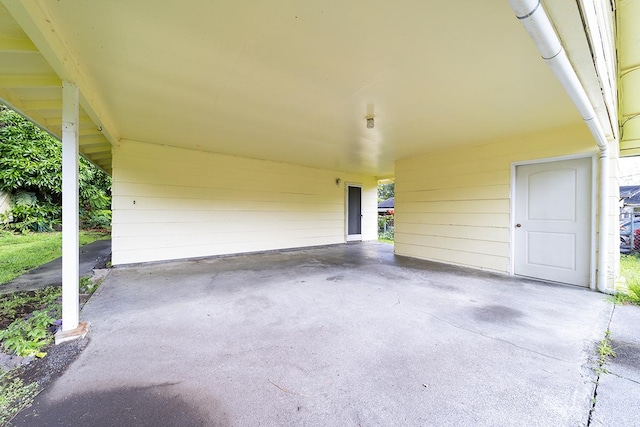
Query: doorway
553, 221
354, 212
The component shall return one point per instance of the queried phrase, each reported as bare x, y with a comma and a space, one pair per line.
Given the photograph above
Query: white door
354, 212
552, 234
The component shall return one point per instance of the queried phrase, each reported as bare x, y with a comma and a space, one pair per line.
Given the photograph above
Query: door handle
518, 225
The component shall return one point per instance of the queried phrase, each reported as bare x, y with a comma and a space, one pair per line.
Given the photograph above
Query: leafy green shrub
97, 219
385, 222
386, 191
28, 334
27, 337
30, 159
31, 170
387, 235
16, 304
386, 226
29, 214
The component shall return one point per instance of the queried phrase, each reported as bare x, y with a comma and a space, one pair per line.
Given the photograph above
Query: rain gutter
533, 17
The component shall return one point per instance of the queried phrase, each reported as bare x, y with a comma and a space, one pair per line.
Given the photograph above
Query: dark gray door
354, 213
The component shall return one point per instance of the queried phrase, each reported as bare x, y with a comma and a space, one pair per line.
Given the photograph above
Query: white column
70, 221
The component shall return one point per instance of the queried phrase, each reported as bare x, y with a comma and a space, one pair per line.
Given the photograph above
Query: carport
236, 128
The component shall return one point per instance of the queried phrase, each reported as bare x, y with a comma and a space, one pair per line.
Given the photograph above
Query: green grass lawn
630, 270
20, 253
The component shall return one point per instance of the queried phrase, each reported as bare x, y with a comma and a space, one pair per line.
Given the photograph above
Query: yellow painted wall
453, 206
172, 203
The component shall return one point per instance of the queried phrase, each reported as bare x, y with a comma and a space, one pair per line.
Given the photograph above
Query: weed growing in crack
88, 285
605, 352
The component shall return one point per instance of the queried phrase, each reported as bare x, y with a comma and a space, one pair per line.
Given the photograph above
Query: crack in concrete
599, 371
622, 377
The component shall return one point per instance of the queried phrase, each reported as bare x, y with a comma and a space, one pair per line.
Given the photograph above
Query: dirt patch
21, 311
44, 371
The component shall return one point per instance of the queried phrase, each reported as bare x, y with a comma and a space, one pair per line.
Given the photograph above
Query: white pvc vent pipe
536, 22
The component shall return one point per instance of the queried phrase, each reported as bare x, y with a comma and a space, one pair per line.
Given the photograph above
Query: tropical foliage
386, 191
31, 171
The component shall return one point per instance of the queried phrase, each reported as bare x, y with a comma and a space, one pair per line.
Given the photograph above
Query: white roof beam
36, 22
26, 81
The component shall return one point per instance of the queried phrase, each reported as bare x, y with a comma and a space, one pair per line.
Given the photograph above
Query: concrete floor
346, 335
618, 396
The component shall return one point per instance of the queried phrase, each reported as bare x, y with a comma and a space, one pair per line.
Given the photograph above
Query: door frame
347, 236
512, 207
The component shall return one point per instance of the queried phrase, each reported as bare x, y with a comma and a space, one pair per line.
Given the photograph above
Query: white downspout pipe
536, 22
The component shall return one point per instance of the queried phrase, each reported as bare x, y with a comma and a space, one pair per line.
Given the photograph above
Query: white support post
70, 221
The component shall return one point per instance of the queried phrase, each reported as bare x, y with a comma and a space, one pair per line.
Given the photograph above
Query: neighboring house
629, 201
233, 127
629, 208
386, 206
630, 195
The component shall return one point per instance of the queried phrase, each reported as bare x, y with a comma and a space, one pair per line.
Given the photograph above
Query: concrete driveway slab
347, 335
618, 392
616, 402
625, 340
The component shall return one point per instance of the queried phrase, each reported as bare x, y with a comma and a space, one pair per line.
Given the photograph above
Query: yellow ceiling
289, 81
629, 72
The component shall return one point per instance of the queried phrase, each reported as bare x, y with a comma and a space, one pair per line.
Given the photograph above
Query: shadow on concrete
157, 405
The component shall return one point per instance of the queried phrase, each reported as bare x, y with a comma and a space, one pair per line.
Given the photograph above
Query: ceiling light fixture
370, 123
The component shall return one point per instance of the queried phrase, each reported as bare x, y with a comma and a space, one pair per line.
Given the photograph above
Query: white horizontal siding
453, 206
457, 219
449, 256
196, 250
171, 203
